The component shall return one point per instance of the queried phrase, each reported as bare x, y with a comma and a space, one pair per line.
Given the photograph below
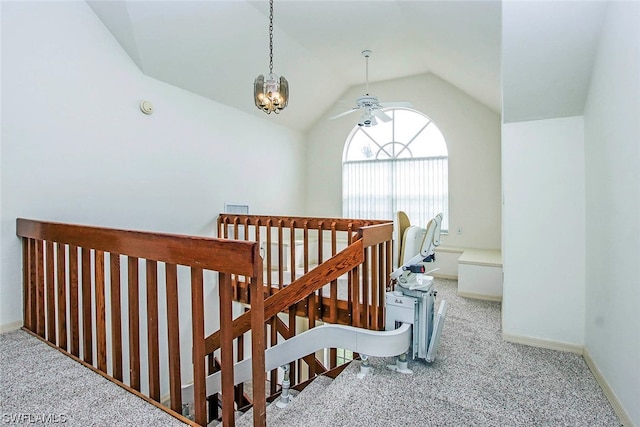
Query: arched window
401, 164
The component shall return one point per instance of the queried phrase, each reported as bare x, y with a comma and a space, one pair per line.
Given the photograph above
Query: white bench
479, 271
480, 274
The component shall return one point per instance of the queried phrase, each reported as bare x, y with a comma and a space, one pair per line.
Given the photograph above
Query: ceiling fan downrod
367, 53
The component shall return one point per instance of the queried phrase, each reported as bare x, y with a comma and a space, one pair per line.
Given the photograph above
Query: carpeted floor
477, 380
41, 386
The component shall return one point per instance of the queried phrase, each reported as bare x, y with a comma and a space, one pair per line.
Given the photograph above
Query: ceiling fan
369, 104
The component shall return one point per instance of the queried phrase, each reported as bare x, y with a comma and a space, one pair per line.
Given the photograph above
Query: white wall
612, 142
544, 229
472, 132
76, 148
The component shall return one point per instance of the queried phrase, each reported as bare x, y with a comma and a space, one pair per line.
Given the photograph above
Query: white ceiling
216, 48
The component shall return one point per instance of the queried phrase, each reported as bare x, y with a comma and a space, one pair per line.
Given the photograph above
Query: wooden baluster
305, 245
26, 284
320, 293
239, 388
134, 323
49, 273
62, 295
40, 328
246, 229
365, 280
280, 255
212, 401
311, 299
375, 267
173, 326
153, 353
292, 251
33, 286
257, 240
352, 285
236, 223
101, 324
87, 323
74, 315
293, 309
387, 275
116, 316
274, 341
333, 293
269, 263
226, 349
197, 329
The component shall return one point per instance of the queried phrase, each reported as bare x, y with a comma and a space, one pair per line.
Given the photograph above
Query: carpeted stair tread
301, 401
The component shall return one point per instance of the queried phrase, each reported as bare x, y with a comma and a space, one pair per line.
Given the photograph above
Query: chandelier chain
270, 36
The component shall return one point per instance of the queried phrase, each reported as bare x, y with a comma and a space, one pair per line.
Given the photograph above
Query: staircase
380, 398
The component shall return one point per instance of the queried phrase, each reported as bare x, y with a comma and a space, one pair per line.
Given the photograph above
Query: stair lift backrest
400, 224
412, 243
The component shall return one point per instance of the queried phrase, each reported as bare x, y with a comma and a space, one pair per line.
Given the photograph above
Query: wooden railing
117, 301
84, 289
330, 270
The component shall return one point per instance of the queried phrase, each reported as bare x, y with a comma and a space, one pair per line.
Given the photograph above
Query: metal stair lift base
407, 305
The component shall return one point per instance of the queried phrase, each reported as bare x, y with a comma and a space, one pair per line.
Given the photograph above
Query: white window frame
391, 177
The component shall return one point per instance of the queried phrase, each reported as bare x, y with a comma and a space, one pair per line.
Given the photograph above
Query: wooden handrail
240, 258
299, 289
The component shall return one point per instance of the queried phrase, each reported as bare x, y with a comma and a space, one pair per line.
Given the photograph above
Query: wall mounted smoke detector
146, 107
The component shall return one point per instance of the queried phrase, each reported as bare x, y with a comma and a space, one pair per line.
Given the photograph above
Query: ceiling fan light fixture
271, 93
367, 120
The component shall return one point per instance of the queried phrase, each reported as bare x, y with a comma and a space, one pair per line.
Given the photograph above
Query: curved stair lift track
364, 341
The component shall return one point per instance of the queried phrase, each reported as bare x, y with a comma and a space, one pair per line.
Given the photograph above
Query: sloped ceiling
548, 51
524, 59
217, 48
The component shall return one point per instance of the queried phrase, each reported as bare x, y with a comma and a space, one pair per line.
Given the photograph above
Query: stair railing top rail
340, 224
239, 257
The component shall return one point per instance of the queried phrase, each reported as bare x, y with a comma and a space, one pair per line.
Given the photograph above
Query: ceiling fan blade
381, 115
396, 104
344, 114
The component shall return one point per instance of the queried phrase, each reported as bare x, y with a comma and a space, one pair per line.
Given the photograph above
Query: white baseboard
625, 419
549, 344
497, 298
13, 326
445, 276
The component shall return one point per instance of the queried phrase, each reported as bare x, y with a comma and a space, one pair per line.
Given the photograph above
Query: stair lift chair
412, 298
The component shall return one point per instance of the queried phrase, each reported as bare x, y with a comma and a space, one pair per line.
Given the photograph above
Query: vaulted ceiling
216, 48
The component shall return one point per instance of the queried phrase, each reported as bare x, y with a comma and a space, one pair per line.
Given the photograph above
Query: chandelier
271, 93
